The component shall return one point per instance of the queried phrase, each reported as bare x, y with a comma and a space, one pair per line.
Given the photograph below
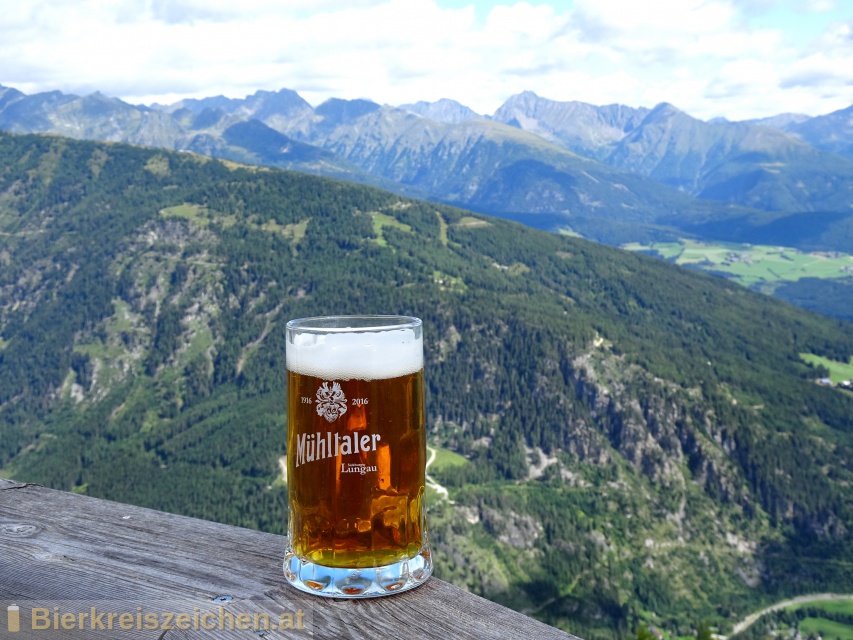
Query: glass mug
356, 456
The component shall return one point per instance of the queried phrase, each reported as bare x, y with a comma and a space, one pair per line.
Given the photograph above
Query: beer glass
356, 455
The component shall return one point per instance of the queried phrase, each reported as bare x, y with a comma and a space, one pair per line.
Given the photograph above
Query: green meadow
445, 458
833, 606
827, 629
838, 371
756, 266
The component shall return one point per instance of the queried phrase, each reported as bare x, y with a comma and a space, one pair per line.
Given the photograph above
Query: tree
643, 633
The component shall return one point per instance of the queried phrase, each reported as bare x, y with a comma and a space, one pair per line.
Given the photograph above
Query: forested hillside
638, 442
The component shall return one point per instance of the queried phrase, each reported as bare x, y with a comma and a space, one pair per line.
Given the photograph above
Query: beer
356, 451
357, 482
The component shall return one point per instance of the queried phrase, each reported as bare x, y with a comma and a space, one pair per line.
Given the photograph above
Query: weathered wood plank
5, 483
80, 557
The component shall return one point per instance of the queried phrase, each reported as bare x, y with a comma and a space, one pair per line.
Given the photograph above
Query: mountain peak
665, 108
521, 99
339, 111
261, 104
284, 91
442, 110
280, 96
577, 126
8, 94
98, 96
666, 111
269, 104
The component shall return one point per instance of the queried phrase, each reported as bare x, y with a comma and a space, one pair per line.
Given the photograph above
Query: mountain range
615, 174
623, 441
603, 171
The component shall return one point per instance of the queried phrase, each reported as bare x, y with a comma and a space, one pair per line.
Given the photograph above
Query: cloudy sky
734, 58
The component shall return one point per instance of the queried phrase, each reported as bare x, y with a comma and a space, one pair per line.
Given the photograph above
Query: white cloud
823, 6
701, 55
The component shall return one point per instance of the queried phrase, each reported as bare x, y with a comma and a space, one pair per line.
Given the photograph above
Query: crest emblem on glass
356, 456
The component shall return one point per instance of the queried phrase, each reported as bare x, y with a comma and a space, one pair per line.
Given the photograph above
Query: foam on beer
363, 355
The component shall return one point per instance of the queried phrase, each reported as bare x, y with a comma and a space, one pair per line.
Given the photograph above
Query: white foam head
361, 355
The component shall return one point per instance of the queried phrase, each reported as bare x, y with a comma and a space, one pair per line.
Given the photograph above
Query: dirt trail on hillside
751, 618
442, 491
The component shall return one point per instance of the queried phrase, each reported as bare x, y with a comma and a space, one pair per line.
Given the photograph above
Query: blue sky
800, 22
733, 58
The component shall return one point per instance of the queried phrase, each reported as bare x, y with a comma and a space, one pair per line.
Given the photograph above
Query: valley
759, 267
615, 174
616, 435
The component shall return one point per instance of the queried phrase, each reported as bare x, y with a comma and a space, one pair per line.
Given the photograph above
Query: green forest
644, 444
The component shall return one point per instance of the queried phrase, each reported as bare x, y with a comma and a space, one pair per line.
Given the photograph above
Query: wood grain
75, 560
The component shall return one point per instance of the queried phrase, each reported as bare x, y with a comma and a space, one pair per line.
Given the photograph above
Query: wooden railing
80, 567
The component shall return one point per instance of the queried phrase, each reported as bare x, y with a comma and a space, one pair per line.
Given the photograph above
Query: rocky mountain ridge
446, 152
749, 164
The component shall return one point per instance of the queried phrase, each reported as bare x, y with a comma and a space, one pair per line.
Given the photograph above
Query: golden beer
356, 456
358, 483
